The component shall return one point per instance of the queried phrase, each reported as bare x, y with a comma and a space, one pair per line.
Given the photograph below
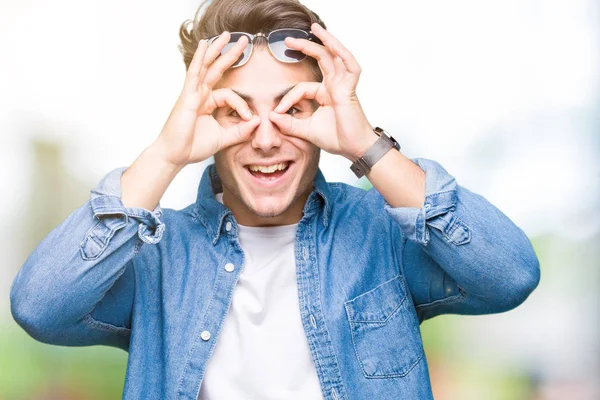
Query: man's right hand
191, 134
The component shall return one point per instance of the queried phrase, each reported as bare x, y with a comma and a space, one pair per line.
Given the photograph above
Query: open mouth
270, 174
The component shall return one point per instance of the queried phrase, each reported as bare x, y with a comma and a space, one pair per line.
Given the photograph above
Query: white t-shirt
262, 351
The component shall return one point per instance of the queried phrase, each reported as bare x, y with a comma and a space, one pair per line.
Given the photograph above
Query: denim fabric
154, 283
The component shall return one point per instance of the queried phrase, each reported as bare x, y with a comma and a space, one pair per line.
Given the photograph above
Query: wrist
367, 140
146, 180
157, 152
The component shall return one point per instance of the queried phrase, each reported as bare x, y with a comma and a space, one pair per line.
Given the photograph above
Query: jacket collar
212, 213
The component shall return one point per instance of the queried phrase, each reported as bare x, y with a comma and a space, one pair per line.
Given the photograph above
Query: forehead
263, 77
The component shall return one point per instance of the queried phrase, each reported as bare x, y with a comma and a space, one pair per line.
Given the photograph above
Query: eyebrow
249, 99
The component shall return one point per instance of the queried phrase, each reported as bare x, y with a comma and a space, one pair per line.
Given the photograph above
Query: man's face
262, 198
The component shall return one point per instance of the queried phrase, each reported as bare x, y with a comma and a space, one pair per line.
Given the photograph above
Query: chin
270, 206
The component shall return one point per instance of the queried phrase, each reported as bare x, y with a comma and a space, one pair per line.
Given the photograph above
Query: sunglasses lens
279, 48
232, 41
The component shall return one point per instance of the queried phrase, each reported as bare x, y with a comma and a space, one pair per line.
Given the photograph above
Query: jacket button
229, 267
228, 226
205, 335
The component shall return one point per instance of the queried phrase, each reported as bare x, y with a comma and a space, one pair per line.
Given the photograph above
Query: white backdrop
495, 91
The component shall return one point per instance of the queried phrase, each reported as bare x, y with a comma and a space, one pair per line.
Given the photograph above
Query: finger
213, 51
196, 64
289, 125
336, 48
191, 77
228, 98
239, 133
218, 68
323, 56
303, 90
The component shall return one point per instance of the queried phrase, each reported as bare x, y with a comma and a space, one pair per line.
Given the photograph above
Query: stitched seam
352, 335
307, 264
381, 322
445, 300
193, 348
399, 375
436, 194
105, 326
375, 288
220, 324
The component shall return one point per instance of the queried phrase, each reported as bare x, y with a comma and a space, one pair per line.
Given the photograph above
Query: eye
234, 114
292, 111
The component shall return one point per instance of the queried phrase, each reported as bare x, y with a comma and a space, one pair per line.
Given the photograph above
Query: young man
274, 284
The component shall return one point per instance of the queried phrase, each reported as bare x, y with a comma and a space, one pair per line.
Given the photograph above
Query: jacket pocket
385, 331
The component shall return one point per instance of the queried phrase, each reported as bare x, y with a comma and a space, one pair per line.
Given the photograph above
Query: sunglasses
276, 44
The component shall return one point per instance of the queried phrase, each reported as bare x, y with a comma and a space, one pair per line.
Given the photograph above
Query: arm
475, 260
480, 258
76, 287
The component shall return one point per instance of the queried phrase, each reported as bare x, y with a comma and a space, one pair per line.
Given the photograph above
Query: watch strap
383, 144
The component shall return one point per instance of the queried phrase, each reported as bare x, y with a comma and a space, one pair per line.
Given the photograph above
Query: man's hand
191, 134
339, 125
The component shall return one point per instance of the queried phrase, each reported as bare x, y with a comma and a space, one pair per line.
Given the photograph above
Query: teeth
269, 169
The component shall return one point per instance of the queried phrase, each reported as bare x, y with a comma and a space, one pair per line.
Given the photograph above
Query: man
274, 284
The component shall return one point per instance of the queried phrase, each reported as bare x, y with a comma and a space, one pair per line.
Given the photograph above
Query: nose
267, 135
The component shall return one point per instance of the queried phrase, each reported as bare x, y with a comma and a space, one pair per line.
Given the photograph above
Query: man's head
262, 82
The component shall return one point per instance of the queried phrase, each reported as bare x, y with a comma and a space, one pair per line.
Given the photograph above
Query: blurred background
503, 93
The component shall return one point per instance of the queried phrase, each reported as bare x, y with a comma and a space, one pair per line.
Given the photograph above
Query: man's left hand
339, 125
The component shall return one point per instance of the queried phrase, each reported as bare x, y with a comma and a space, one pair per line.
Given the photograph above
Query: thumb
291, 126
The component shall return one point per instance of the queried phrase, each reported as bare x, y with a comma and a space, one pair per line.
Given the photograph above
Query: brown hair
250, 16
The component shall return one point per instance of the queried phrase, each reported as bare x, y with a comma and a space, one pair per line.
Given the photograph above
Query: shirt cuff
106, 202
437, 211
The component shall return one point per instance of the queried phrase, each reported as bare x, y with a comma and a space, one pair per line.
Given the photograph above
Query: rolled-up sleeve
440, 202
77, 286
106, 201
461, 254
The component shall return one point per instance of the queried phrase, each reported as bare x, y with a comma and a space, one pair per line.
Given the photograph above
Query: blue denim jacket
154, 283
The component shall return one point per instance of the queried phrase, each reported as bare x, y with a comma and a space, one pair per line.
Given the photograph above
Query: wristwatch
384, 143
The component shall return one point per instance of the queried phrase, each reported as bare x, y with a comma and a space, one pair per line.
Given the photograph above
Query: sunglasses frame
310, 36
